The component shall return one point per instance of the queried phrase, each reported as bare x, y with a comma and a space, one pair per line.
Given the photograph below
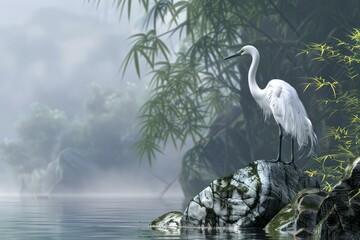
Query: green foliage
191, 85
189, 89
148, 46
343, 99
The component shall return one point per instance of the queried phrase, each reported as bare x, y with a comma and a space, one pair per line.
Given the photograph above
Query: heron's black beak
232, 56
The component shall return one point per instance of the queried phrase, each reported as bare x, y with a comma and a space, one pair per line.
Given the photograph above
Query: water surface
98, 218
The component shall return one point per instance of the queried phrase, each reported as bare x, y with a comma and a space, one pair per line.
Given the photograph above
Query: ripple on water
98, 218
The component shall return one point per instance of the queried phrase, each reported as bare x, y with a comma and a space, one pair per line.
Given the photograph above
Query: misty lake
97, 218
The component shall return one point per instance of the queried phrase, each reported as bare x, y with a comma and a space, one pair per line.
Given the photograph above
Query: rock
338, 216
167, 221
299, 217
316, 214
305, 213
250, 197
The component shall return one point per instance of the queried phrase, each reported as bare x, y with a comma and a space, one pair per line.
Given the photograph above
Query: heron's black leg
292, 151
278, 159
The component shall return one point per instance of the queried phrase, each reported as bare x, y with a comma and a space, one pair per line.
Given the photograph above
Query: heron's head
243, 51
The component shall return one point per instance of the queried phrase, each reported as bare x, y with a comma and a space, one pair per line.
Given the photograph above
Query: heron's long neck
255, 90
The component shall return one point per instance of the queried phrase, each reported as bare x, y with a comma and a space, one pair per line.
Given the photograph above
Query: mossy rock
167, 222
250, 197
338, 216
297, 215
319, 215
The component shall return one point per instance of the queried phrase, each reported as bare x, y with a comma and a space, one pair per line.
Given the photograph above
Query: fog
51, 55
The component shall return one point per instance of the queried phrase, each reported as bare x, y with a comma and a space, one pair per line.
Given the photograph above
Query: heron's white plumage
281, 100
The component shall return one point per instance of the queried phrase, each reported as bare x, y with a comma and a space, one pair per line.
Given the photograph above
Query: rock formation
256, 194
298, 216
252, 196
322, 215
169, 221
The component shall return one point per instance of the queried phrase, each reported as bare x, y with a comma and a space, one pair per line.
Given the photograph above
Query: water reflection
99, 218
220, 233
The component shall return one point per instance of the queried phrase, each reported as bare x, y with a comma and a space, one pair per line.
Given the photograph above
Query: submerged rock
314, 213
251, 196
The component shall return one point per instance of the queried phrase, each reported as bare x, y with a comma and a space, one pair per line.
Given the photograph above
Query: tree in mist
38, 133
191, 86
104, 134
108, 130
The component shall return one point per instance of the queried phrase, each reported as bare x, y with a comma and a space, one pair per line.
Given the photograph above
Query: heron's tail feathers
307, 135
311, 134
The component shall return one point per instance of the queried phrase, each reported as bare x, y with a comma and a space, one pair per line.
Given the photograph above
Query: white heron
282, 101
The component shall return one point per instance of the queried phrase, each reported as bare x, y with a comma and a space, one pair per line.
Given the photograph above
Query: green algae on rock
167, 221
250, 197
319, 215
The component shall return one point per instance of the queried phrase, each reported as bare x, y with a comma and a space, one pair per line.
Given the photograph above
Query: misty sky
51, 51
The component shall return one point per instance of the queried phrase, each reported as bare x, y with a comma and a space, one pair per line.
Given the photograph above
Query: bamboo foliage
344, 101
191, 85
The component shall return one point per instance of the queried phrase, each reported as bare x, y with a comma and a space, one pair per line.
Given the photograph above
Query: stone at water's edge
299, 216
253, 195
250, 197
339, 214
320, 215
169, 221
